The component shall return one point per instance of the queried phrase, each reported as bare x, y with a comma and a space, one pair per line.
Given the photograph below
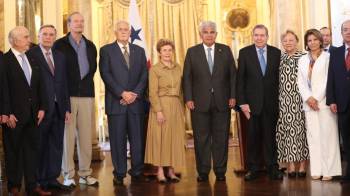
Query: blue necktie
25, 68
210, 61
262, 61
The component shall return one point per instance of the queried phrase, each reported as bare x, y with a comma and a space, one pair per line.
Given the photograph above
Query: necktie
210, 60
262, 61
49, 62
126, 56
25, 68
347, 60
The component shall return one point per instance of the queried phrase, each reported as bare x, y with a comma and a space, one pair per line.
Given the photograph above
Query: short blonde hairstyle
289, 32
165, 42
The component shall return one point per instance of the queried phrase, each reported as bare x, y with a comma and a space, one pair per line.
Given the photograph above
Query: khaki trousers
79, 129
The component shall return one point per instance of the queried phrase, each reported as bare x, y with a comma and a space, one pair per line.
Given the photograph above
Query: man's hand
67, 118
41, 115
333, 107
128, 97
4, 119
231, 103
11, 122
190, 105
246, 110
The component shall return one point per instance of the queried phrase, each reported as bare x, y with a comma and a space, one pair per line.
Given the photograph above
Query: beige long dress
165, 145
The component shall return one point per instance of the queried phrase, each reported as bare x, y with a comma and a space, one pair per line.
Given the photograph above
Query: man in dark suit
327, 39
2, 117
80, 54
53, 69
257, 95
25, 104
338, 94
124, 72
209, 80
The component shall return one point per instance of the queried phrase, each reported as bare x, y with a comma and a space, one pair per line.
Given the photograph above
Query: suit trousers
262, 135
344, 129
211, 130
21, 146
79, 129
122, 127
51, 147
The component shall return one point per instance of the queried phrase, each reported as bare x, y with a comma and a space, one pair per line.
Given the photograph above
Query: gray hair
260, 26
13, 34
69, 19
342, 25
205, 24
120, 22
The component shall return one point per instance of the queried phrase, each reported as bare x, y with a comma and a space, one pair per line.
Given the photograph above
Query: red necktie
347, 60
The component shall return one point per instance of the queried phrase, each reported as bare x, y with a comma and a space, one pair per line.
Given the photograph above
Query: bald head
345, 31
19, 38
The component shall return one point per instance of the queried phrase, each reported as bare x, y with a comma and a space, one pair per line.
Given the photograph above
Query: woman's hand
160, 118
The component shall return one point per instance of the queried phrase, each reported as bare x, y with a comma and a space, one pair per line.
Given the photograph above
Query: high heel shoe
301, 174
174, 179
161, 180
327, 178
315, 177
292, 174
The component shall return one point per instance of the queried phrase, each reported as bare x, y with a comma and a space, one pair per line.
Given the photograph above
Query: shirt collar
44, 50
73, 42
16, 52
122, 45
206, 47
257, 49
347, 46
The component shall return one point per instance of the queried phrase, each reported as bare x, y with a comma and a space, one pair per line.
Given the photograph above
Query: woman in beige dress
165, 145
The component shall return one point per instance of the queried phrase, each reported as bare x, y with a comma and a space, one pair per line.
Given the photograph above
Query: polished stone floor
234, 185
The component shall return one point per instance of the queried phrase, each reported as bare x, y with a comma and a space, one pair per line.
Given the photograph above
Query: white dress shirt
19, 59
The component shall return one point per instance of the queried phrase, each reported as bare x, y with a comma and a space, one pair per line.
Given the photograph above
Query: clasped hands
313, 103
128, 97
11, 120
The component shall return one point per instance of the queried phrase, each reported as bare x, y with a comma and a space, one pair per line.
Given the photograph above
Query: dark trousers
51, 147
122, 127
21, 146
344, 129
262, 135
210, 131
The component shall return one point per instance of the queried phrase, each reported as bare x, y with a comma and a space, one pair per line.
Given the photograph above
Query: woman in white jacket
321, 123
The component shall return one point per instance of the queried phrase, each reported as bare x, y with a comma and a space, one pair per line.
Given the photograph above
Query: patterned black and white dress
291, 131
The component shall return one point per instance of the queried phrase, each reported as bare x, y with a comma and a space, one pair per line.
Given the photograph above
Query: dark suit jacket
331, 48
198, 82
54, 85
20, 99
118, 78
260, 92
78, 87
1, 81
338, 83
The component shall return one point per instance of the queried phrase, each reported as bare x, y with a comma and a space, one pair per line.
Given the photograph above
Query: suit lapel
254, 56
203, 57
42, 59
131, 56
117, 51
18, 67
217, 57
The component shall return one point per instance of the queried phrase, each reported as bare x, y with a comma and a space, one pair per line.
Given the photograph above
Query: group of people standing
295, 102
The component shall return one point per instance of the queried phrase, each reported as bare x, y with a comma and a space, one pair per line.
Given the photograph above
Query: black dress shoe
118, 181
301, 174
56, 185
202, 178
221, 178
140, 178
276, 175
292, 174
251, 175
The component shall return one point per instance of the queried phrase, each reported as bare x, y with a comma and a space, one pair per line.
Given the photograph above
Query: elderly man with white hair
209, 81
124, 72
24, 103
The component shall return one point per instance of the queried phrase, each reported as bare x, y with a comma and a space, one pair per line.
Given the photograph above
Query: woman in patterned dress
291, 131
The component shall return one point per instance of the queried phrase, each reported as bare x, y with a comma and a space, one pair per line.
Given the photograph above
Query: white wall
340, 11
